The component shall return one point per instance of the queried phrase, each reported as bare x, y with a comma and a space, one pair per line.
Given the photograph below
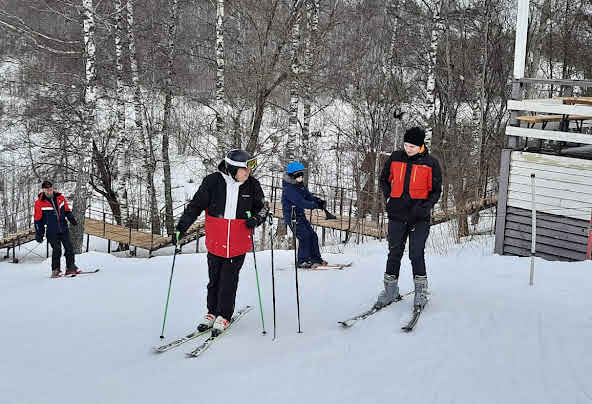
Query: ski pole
272, 271
166, 307
257, 276
296, 269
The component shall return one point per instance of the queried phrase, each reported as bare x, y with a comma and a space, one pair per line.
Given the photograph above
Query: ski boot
390, 292
219, 326
206, 323
421, 291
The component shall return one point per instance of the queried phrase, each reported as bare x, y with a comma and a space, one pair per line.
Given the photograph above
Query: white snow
486, 337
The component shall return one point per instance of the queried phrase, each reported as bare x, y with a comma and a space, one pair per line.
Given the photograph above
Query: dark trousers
397, 237
56, 241
308, 243
223, 284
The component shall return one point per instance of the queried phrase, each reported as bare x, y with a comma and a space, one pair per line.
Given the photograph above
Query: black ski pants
398, 232
223, 283
56, 241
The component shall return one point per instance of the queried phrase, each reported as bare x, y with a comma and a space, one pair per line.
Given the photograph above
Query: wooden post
323, 236
341, 216
14, 251
533, 230
109, 246
347, 233
197, 242
87, 241
500, 217
104, 223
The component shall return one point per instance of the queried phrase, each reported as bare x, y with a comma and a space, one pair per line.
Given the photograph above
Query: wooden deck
153, 242
120, 234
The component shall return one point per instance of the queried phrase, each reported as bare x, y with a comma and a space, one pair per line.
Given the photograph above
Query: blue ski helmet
294, 167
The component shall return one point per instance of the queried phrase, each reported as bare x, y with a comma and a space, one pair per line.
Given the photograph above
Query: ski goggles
250, 164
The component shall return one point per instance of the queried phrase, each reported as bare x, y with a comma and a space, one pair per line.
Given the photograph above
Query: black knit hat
415, 136
46, 184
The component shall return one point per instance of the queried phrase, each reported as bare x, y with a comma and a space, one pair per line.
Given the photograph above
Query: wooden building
550, 165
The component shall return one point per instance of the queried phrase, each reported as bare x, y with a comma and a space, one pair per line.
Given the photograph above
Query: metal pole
296, 268
589, 250
533, 229
166, 307
272, 273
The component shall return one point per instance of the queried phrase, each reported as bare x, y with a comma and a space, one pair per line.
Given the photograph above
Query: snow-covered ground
486, 337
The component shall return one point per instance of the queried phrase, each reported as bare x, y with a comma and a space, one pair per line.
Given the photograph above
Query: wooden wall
563, 196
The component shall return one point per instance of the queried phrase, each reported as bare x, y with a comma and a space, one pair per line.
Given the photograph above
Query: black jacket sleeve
260, 206
383, 181
434, 195
198, 204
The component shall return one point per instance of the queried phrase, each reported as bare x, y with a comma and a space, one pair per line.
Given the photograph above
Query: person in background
296, 198
51, 212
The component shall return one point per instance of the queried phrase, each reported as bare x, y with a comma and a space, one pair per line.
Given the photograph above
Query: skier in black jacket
234, 205
411, 182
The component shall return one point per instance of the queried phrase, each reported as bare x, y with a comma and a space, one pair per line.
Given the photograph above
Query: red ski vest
420, 181
227, 238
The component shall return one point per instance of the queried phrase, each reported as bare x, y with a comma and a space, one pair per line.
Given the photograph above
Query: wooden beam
549, 106
573, 137
557, 82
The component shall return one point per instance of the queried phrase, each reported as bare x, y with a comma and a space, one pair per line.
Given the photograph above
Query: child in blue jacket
296, 198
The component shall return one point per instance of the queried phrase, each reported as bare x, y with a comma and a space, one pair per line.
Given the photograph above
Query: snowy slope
487, 337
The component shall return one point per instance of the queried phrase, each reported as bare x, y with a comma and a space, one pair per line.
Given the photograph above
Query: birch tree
122, 148
292, 140
83, 189
432, 100
220, 64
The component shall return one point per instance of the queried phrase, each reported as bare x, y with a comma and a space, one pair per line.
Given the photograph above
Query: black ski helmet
236, 159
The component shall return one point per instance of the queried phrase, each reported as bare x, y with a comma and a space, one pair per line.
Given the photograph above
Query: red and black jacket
225, 238
51, 213
411, 185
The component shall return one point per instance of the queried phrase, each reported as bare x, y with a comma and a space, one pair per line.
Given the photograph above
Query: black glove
73, 222
39, 238
322, 204
253, 222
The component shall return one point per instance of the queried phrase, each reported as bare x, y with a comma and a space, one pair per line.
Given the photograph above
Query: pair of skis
318, 267
208, 342
362, 316
94, 271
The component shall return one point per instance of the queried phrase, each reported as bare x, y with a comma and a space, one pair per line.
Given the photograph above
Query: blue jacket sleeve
299, 199
39, 220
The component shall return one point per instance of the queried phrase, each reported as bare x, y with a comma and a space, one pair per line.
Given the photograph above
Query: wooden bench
532, 120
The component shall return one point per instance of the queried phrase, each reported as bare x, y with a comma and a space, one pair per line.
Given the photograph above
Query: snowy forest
101, 95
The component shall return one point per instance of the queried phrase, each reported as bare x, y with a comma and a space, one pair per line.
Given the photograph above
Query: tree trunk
83, 189
145, 137
432, 107
122, 148
220, 66
291, 143
172, 33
